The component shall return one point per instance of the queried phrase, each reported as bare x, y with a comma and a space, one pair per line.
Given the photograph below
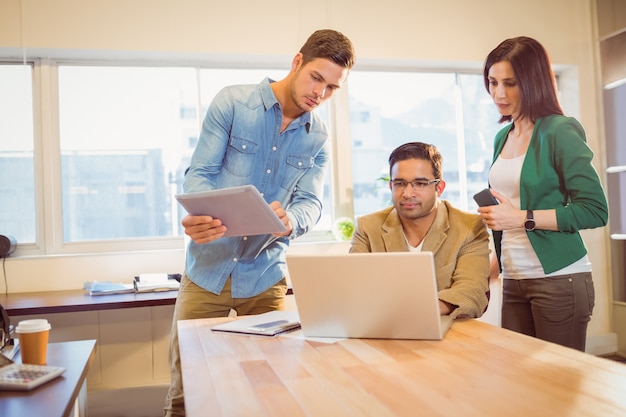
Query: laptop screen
367, 295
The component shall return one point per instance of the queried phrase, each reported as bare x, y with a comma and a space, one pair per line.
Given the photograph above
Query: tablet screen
241, 209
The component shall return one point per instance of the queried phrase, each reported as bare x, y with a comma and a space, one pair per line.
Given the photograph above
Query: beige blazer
460, 245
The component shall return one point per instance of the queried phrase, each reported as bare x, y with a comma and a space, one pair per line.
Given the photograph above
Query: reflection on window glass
17, 187
325, 222
388, 109
127, 135
480, 125
123, 133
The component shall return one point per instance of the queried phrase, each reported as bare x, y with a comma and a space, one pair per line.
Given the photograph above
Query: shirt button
235, 259
274, 148
245, 238
269, 171
299, 164
244, 146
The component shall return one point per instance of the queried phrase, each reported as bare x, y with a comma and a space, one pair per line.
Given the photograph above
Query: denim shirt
240, 144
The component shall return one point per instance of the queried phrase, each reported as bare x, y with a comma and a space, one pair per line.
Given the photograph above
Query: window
451, 111
123, 137
17, 186
122, 141
127, 135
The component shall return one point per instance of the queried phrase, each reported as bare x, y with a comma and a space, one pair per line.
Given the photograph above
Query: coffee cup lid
32, 326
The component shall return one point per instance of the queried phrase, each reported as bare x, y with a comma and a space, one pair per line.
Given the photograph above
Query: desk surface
57, 397
477, 370
46, 302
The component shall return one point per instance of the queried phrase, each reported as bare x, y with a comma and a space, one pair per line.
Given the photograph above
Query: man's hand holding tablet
235, 211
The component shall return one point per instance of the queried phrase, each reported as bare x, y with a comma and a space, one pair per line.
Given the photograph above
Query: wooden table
60, 397
477, 370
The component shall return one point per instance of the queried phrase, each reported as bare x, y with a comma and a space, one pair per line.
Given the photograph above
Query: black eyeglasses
416, 184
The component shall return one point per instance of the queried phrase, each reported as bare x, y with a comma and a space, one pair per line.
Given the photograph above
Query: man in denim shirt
264, 135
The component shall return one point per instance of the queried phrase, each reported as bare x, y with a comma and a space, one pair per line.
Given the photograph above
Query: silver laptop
367, 295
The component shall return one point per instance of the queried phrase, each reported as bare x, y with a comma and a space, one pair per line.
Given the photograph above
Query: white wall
456, 33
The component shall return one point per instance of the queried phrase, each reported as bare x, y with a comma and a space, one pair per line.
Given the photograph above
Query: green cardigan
557, 174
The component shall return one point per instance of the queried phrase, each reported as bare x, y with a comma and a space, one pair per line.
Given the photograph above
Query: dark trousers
556, 309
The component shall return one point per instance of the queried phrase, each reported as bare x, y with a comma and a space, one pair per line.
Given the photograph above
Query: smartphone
484, 198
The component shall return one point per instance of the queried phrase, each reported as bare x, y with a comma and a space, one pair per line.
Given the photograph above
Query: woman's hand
502, 216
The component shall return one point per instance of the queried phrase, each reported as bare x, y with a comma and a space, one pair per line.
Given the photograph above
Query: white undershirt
417, 248
519, 260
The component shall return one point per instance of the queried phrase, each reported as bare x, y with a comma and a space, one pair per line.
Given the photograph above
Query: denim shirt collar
269, 101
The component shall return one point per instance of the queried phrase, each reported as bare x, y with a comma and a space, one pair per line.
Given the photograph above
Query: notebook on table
271, 323
368, 295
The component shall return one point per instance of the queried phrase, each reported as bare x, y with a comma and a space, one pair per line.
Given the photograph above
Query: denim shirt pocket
297, 166
240, 156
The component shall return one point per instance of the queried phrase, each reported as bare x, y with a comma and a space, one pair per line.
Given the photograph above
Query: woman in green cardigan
548, 191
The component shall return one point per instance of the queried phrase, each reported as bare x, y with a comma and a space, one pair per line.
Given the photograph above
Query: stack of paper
155, 282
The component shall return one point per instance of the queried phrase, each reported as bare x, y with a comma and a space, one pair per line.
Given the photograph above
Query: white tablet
241, 209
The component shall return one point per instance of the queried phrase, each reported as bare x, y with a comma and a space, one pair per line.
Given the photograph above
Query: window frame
47, 155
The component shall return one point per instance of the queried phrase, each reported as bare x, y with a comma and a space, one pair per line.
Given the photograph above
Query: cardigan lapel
438, 231
392, 234
394, 240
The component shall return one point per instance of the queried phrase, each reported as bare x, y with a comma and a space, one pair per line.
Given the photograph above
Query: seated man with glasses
420, 221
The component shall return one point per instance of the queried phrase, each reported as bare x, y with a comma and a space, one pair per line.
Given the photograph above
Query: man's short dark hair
418, 150
329, 44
